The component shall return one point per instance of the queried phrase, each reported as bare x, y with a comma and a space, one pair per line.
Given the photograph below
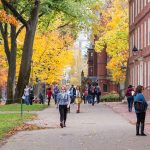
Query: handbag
23, 97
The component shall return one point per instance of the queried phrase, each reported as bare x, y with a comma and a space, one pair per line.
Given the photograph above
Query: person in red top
49, 95
129, 94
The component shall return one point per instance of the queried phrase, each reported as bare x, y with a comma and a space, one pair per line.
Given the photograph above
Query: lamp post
134, 50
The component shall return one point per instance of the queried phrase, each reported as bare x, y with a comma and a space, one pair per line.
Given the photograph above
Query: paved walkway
122, 109
95, 128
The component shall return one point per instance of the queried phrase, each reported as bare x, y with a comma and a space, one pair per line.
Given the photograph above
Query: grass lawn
10, 121
17, 107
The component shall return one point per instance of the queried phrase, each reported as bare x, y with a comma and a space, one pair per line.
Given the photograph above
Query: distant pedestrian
63, 101
56, 91
72, 94
140, 105
31, 95
49, 95
98, 93
41, 97
86, 96
129, 94
92, 94
26, 94
78, 98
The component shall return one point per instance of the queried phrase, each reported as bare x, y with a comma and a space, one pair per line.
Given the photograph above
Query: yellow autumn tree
113, 33
51, 56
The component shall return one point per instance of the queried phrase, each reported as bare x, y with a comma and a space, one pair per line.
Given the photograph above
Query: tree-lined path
95, 128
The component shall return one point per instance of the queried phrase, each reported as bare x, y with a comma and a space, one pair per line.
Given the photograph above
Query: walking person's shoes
61, 125
143, 134
78, 111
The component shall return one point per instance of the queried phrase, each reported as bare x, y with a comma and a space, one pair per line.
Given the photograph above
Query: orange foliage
5, 18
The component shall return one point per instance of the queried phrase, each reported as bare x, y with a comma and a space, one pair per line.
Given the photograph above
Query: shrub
110, 97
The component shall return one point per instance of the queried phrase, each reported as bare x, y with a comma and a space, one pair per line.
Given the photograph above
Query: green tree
27, 13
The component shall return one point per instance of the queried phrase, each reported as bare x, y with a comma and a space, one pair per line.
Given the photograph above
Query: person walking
56, 91
129, 94
49, 95
98, 93
72, 94
92, 93
78, 98
31, 95
86, 96
26, 94
140, 105
63, 101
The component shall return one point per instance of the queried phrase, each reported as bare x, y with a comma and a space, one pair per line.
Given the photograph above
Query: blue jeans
130, 103
26, 100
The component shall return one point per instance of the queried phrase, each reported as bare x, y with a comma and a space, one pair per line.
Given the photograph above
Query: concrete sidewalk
122, 109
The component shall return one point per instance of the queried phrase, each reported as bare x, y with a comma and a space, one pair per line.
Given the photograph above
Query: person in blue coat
140, 105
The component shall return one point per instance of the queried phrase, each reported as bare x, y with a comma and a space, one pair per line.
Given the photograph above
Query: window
138, 70
145, 39
149, 31
141, 36
133, 13
148, 73
133, 83
141, 73
136, 8
105, 88
142, 4
145, 71
91, 54
138, 37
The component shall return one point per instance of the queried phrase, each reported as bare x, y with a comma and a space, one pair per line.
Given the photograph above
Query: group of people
137, 98
72, 95
92, 94
28, 95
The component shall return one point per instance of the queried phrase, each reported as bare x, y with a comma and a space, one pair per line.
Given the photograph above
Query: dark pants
63, 113
49, 99
140, 120
31, 100
55, 98
98, 98
72, 99
130, 103
93, 98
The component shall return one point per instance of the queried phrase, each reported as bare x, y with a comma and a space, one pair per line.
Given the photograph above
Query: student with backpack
140, 105
130, 98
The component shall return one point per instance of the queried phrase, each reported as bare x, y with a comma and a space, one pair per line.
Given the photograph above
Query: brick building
139, 36
97, 70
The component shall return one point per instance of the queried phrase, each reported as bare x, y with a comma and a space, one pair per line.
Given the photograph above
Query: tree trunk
25, 67
12, 67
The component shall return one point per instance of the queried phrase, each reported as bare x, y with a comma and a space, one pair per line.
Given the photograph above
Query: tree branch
5, 38
19, 30
15, 13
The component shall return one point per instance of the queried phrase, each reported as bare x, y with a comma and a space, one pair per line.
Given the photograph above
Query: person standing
98, 93
86, 96
26, 94
140, 105
56, 91
72, 94
31, 95
63, 101
130, 98
78, 99
49, 95
92, 93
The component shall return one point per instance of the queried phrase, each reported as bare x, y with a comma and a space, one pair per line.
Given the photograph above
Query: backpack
140, 106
